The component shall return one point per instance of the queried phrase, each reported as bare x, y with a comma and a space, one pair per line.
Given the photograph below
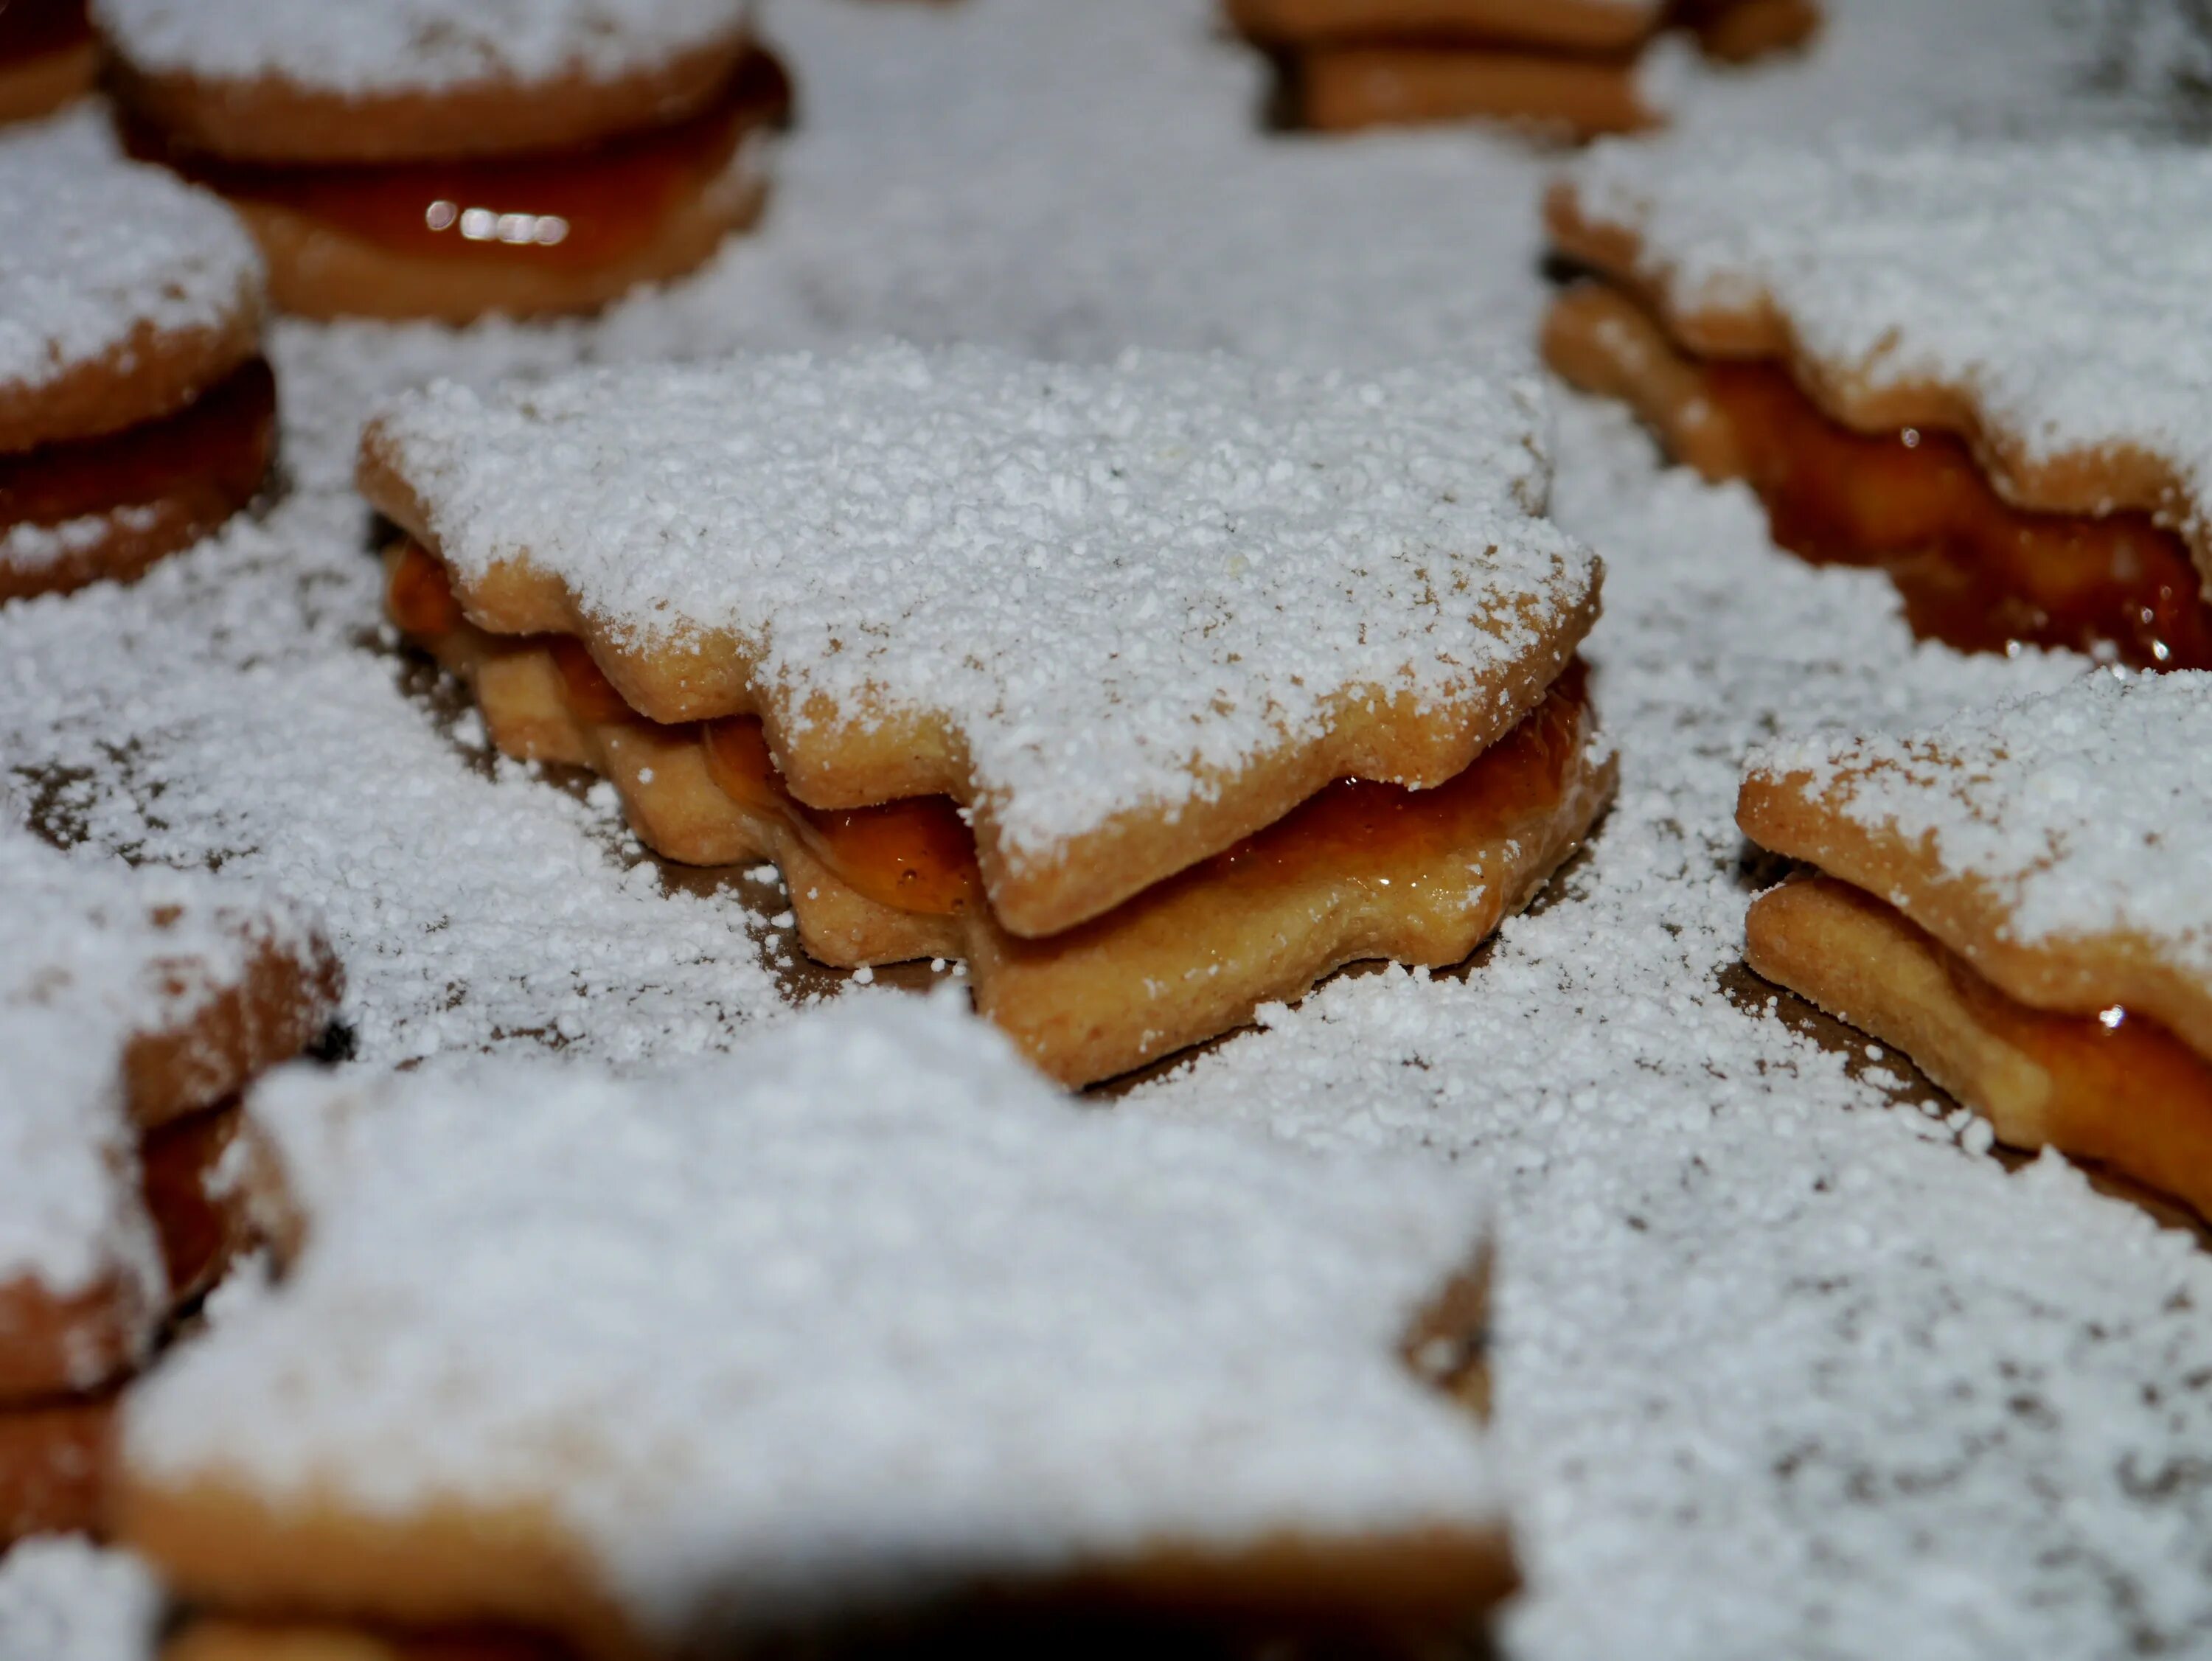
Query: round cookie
135, 414
445, 158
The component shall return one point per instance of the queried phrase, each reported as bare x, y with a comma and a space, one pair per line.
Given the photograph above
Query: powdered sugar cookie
47, 57
975, 635
672, 1334
2018, 899
445, 158
1896, 349
136, 413
1570, 67
136, 1003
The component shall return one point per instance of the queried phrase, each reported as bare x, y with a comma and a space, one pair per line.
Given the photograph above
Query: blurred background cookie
445, 158
136, 412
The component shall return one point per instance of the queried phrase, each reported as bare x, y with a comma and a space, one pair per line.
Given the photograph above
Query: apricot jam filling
1974, 571
569, 210
209, 459
2127, 1066
35, 29
918, 855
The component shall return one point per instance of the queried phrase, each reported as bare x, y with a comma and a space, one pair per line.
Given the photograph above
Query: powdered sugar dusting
739, 1297
1781, 1370
1113, 582
2082, 811
367, 46
64, 1599
98, 247
2046, 281
88, 966
36, 547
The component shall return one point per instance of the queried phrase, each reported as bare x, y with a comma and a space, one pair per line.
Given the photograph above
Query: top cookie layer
864, 1311
2051, 300
123, 292
1074, 597
363, 48
2062, 842
99, 957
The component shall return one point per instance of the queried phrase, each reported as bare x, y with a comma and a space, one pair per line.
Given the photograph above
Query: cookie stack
1568, 66
137, 413
134, 1005
1152, 692
1857, 332
448, 157
859, 1333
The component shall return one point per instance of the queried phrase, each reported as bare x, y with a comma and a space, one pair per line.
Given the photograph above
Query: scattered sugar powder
98, 247
1781, 1370
63, 1598
88, 966
1115, 583
365, 48
31, 546
2065, 288
865, 1308
2087, 811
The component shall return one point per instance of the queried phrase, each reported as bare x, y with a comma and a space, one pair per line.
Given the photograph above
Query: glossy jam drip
33, 29
2139, 1084
915, 854
1974, 571
575, 209
209, 456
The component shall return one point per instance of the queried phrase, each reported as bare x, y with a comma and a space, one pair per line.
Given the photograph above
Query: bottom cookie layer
2116, 1089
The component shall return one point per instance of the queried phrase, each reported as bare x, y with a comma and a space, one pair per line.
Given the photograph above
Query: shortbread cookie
1124, 616
1361, 870
136, 1003
789, 1339
2021, 900
447, 158
136, 413
1049, 691
1889, 346
47, 57
1570, 68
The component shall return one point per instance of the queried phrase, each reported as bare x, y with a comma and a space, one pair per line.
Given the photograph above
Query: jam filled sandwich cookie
137, 414
863, 1323
136, 1004
1153, 692
1894, 349
448, 157
47, 57
1570, 66
2020, 900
